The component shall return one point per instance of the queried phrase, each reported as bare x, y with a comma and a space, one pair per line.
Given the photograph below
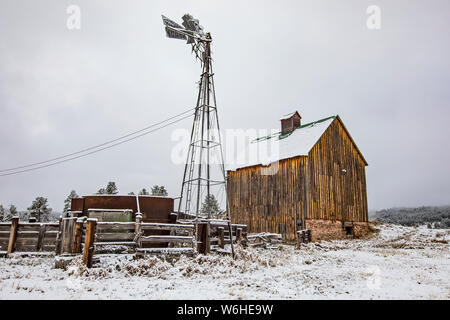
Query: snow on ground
396, 263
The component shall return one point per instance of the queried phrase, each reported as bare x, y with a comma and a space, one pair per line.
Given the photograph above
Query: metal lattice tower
204, 172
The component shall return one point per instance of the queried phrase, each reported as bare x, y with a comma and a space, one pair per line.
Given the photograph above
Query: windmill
204, 171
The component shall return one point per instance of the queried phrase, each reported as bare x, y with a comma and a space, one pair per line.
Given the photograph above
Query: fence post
203, 241
59, 238
77, 234
67, 234
221, 237
88, 251
138, 230
40, 237
239, 236
173, 218
13, 235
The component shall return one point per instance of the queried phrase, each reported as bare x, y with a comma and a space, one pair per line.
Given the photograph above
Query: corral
89, 236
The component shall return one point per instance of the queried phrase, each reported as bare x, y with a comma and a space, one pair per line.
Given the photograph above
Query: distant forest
433, 217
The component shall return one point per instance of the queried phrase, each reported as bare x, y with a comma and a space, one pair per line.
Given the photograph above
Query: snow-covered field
397, 263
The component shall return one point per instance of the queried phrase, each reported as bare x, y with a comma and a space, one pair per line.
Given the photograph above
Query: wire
96, 146
95, 151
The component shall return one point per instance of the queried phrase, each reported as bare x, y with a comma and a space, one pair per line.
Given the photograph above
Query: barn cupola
290, 123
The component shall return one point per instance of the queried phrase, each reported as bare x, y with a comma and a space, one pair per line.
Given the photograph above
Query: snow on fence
28, 237
220, 233
265, 239
134, 237
72, 236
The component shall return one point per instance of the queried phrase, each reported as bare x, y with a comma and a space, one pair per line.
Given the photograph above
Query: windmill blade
171, 29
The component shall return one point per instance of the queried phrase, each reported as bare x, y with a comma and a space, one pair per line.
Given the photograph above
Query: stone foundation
333, 230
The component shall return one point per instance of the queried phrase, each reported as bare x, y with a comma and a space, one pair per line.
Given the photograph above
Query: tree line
40, 210
433, 217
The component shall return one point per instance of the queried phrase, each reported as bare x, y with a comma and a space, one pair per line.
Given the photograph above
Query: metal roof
268, 149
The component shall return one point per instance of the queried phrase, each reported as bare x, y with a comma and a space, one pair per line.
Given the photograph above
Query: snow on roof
268, 149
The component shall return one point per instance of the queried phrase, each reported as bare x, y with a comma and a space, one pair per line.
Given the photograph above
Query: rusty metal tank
152, 208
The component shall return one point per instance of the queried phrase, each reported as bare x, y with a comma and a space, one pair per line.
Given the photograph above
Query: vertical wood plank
77, 235
88, 250
221, 237
58, 245
40, 237
138, 231
239, 236
13, 235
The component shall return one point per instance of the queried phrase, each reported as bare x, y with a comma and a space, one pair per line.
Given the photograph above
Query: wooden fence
220, 233
132, 237
28, 237
71, 236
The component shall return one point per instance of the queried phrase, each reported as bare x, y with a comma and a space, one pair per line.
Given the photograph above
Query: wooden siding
269, 203
332, 193
313, 187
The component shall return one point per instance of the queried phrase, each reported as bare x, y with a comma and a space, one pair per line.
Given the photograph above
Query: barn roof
283, 146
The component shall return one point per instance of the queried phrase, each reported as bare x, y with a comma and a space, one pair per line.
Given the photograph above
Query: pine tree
2, 213
144, 192
159, 191
131, 193
101, 191
12, 212
163, 191
111, 188
210, 206
68, 201
40, 210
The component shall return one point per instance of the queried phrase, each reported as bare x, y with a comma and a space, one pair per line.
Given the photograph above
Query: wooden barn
314, 178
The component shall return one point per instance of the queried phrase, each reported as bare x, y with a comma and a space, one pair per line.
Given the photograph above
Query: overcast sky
63, 90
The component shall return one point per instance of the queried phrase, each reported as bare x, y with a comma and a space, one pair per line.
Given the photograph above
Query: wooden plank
5, 234
164, 251
78, 231
48, 242
164, 238
26, 241
40, 238
203, 238
48, 248
25, 248
166, 226
114, 236
27, 234
138, 232
5, 227
50, 234
31, 224
67, 234
13, 235
123, 226
221, 237
239, 236
88, 251
116, 243
58, 245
